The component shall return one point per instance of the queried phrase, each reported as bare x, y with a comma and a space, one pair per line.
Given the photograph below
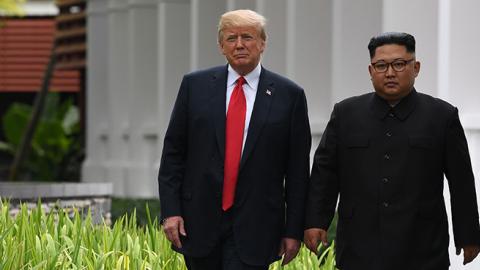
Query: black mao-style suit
274, 170
388, 166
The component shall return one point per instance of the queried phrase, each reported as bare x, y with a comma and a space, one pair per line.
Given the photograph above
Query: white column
274, 57
309, 56
354, 23
97, 140
142, 107
464, 91
118, 95
174, 38
204, 20
422, 23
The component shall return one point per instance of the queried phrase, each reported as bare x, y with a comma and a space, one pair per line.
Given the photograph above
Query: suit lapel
261, 108
219, 84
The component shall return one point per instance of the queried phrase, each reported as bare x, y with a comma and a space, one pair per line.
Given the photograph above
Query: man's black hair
398, 38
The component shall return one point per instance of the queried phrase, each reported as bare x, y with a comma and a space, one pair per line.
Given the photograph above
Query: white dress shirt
249, 89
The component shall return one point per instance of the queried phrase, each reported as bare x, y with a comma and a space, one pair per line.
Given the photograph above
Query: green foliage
122, 206
36, 240
56, 150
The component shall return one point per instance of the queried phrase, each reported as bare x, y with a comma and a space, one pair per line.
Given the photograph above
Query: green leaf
15, 121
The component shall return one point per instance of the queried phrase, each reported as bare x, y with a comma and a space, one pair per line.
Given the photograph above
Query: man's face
398, 79
242, 46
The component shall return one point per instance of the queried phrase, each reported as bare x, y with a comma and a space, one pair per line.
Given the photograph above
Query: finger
176, 239
167, 233
468, 256
171, 231
324, 239
312, 244
287, 258
289, 255
182, 228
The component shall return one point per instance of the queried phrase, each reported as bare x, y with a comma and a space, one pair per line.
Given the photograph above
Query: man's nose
390, 72
239, 42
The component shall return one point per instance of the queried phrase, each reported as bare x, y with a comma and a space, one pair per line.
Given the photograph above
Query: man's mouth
391, 84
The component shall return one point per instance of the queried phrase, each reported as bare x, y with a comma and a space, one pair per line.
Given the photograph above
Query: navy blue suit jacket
274, 170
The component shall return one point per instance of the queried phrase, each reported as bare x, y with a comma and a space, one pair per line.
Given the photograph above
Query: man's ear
370, 70
220, 48
263, 45
416, 68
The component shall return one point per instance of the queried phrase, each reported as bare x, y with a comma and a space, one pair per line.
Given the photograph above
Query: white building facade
138, 51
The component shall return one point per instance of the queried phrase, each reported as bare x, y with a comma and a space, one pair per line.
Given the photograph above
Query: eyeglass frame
390, 64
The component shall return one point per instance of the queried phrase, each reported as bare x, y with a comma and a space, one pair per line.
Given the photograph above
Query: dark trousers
224, 256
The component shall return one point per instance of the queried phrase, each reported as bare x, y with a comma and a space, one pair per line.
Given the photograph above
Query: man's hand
312, 238
469, 253
288, 249
172, 226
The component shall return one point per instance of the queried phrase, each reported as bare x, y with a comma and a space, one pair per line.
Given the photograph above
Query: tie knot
240, 80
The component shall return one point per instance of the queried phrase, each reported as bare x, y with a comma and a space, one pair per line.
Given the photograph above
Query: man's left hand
469, 253
289, 249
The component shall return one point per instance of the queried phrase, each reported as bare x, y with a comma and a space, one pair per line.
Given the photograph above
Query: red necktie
234, 129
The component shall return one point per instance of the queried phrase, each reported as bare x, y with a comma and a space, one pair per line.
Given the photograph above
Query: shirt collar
401, 110
251, 78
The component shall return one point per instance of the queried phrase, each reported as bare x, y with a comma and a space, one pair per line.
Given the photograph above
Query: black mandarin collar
381, 108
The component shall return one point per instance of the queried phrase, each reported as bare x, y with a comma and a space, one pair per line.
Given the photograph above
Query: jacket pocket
421, 142
357, 141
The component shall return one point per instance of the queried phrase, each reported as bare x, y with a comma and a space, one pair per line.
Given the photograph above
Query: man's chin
241, 62
243, 66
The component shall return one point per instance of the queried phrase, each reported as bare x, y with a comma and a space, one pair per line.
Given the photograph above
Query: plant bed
36, 240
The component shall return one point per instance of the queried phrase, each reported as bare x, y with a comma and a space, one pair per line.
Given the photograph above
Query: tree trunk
25, 143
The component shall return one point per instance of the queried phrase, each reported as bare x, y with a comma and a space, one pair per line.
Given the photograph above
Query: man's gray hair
242, 18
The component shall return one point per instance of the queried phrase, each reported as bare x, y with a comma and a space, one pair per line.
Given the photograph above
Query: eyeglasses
397, 65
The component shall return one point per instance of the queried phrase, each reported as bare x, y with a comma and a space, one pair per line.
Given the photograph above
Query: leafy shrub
35, 240
56, 149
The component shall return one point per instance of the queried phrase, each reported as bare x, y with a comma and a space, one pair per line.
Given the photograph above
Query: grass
37, 240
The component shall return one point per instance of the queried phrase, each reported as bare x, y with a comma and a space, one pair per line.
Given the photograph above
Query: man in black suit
385, 154
235, 162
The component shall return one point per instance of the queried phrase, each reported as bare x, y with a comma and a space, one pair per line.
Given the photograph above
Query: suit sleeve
458, 170
172, 165
323, 187
297, 174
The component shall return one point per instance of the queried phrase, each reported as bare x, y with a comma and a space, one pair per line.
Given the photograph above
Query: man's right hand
173, 226
312, 238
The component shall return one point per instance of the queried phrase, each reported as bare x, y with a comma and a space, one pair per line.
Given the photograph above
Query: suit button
391, 115
385, 204
389, 134
385, 180
386, 157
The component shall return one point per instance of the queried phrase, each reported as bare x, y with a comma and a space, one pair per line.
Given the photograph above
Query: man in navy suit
235, 162
385, 154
